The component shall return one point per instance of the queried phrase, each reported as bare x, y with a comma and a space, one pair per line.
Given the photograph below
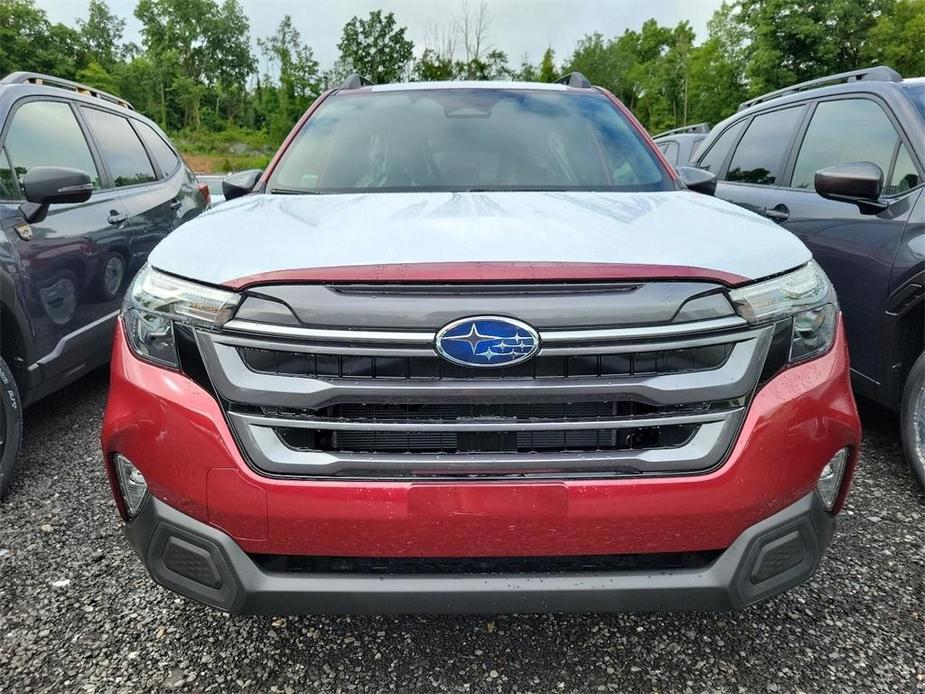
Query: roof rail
355, 81
574, 79
877, 73
696, 128
49, 81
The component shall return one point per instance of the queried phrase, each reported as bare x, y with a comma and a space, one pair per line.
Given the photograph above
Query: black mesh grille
330, 366
486, 441
484, 565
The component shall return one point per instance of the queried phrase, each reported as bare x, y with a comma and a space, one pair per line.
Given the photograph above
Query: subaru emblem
487, 341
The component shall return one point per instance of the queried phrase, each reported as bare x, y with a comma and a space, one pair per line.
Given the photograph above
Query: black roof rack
877, 73
696, 128
355, 81
49, 81
574, 79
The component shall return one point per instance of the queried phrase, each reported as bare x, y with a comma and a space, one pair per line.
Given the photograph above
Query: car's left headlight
155, 302
804, 295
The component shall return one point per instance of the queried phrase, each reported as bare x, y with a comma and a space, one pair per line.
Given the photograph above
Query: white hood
260, 234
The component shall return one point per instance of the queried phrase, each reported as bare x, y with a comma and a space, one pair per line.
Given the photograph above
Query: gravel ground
77, 612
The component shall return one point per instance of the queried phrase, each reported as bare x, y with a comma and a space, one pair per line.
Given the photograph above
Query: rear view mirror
858, 182
53, 185
241, 183
698, 180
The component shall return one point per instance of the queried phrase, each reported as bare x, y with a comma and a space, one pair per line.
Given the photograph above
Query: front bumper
204, 493
203, 563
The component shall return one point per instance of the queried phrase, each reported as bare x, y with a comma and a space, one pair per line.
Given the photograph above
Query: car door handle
176, 205
778, 213
116, 217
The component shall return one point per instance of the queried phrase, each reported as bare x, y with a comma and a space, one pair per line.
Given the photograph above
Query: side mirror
858, 182
53, 185
241, 183
698, 180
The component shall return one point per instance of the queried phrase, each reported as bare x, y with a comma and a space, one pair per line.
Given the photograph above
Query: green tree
230, 61
101, 33
299, 79
897, 39
716, 84
548, 71
795, 40
97, 76
28, 41
376, 47
432, 66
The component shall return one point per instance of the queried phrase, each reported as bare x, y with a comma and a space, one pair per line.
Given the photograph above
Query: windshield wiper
290, 191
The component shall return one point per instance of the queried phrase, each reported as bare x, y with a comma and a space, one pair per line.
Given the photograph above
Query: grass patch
234, 149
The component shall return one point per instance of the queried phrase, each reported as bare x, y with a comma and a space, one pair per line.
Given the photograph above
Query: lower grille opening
487, 441
379, 566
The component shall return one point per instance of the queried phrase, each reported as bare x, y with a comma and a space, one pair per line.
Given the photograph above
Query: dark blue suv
87, 188
839, 161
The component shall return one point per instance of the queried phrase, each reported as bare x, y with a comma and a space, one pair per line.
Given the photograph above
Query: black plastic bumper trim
729, 583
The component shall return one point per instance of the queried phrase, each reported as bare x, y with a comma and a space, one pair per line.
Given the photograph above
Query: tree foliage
376, 47
196, 69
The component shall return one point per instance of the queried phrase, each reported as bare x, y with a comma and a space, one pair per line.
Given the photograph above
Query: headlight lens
805, 296
155, 302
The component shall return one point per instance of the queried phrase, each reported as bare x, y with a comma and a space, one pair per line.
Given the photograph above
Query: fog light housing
131, 483
830, 479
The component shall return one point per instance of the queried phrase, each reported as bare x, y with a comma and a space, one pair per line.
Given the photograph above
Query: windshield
917, 94
467, 140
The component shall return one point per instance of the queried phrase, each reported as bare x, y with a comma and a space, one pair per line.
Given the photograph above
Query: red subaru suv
476, 347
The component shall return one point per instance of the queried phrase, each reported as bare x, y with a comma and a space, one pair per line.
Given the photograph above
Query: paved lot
78, 613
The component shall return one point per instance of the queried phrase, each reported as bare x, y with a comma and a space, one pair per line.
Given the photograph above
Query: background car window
760, 153
166, 158
714, 159
844, 131
671, 152
121, 149
46, 133
905, 175
9, 188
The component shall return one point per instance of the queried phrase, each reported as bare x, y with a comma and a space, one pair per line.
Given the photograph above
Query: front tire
10, 426
912, 419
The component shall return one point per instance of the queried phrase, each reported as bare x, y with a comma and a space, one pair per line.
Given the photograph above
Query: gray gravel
77, 612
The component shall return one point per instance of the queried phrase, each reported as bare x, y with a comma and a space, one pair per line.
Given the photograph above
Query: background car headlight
805, 296
156, 302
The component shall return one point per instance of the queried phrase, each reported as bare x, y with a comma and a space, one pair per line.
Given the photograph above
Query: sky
519, 27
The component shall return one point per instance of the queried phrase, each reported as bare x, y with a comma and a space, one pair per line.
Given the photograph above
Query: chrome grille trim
546, 336
236, 382
481, 424
328, 334
704, 450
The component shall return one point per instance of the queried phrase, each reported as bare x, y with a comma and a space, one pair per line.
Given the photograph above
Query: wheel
111, 276
912, 419
10, 426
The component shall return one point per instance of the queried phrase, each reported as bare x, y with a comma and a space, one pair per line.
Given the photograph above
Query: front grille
332, 366
412, 566
370, 403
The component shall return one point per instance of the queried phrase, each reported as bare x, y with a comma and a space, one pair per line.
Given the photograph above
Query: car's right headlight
155, 302
804, 295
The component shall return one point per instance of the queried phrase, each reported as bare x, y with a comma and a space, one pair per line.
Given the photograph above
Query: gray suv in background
680, 146
87, 188
839, 161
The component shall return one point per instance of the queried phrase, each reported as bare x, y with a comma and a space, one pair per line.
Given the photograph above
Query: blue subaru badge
487, 341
